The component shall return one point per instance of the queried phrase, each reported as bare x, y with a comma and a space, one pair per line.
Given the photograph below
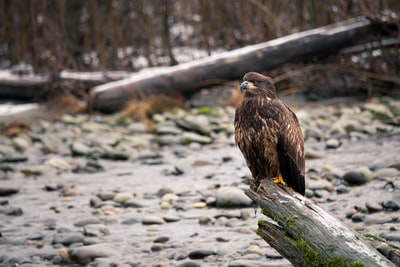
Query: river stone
199, 124
320, 184
8, 190
373, 207
95, 230
332, 143
355, 178
387, 172
201, 253
80, 149
122, 197
68, 238
21, 142
86, 254
87, 221
231, 197
189, 137
152, 219
58, 163
379, 111
189, 264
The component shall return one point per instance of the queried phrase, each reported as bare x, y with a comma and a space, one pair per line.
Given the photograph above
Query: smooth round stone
169, 197
157, 246
161, 239
320, 185
171, 218
373, 207
95, 230
122, 197
355, 178
152, 219
254, 249
8, 190
387, 172
189, 137
200, 205
133, 203
230, 197
87, 221
204, 220
86, 254
358, 217
390, 205
68, 238
201, 254
332, 143
244, 214
165, 205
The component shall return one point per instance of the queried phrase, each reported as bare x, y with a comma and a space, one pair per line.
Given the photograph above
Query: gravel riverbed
96, 190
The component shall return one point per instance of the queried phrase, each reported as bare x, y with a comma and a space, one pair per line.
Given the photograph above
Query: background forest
129, 35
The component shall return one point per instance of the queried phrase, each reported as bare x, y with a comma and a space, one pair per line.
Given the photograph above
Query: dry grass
144, 109
15, 128
64, 104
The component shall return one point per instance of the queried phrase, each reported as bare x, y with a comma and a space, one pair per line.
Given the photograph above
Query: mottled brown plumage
268, 134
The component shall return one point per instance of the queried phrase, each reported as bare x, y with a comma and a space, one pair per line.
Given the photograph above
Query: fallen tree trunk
190, 77
306, 235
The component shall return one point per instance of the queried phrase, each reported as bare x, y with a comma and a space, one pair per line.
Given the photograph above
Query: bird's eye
255, 82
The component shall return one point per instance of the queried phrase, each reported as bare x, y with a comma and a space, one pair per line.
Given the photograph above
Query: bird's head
256, 84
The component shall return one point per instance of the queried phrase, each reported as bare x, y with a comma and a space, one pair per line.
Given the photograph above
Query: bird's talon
279, 180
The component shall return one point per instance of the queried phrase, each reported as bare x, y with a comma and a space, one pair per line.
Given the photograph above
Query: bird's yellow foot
279, 180
259, 187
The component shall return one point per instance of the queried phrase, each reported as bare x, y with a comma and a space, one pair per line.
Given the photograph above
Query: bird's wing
290, 149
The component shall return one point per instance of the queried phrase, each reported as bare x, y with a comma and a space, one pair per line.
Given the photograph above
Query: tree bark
189, 77
306, 235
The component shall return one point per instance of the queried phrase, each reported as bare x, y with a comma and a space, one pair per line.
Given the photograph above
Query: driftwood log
189, 77
306, 235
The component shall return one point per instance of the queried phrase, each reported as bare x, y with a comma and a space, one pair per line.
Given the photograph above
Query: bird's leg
279, 179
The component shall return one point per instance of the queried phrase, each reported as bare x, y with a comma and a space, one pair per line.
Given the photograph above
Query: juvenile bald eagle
268, 134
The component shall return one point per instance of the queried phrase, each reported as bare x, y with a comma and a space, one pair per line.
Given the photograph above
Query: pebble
355, 178
201, 253
200, 205
8, 190
373, 207
189, 137
152, 219
95, 230
232, 197
87, 221
68, 238
86, 254
332, 143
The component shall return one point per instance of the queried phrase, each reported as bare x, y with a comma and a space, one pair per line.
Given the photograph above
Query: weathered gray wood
190, 77
306, 235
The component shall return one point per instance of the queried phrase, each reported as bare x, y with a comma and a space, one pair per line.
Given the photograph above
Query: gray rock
152, 219
80, 149
189, 137
391, 236
58, 163
21, 142
8, 190
86, 254
95, 230
201, 253
320, 184
373, 207
189, 264
157, 246
13, 211
379, 111
358, 217
355, 178
133, 203
332, 143
168, 139
168, 130
230, 197
68, 238
122, 197
390, 205
87, 221
199, 124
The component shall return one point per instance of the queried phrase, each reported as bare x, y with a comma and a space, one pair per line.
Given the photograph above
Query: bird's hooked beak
246, 85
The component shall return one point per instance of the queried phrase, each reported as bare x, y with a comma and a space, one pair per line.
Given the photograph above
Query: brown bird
268, 134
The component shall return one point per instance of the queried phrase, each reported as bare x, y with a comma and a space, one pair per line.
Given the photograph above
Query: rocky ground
100, 191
